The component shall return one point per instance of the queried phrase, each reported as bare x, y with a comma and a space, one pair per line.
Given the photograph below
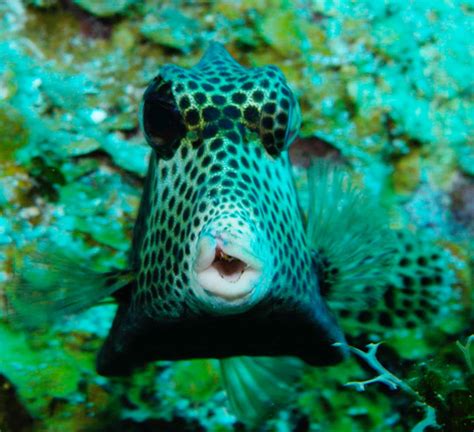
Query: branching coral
446, 399
386, 377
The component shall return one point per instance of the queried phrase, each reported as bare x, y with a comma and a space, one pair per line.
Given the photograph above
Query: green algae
171, 28
14, 134
198, 380
47, 369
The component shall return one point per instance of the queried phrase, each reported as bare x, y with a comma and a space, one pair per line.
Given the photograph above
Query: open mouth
229, 272
229, 268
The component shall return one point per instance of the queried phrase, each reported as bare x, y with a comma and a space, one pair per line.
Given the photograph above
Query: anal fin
258, 386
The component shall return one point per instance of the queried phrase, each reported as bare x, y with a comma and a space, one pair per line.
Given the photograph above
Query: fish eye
281, 129
294, 124
161, 120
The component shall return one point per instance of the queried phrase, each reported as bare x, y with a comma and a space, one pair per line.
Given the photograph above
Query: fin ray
50, 284
257, 386
349, 233
418, 292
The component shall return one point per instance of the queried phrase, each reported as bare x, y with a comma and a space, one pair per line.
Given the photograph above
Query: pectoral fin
51, 283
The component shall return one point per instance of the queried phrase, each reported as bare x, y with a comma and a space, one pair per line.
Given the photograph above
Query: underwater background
384, 86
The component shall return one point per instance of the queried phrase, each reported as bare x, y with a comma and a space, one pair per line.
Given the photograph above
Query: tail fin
50, 284
353, 246
258, 386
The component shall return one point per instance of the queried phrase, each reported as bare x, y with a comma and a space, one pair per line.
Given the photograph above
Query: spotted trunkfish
224, 262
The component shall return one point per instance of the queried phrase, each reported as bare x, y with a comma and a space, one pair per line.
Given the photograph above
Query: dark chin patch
136, 341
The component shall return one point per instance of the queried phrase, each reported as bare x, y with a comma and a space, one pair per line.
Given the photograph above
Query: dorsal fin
215, 51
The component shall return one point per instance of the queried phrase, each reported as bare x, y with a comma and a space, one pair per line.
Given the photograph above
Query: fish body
222, 262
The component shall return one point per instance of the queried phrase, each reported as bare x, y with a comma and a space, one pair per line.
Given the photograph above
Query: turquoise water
383, 87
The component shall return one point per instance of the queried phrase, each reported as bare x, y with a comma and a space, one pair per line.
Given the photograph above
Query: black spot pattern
231, 163
415, 293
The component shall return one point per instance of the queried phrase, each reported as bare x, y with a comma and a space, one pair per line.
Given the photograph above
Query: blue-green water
383, 86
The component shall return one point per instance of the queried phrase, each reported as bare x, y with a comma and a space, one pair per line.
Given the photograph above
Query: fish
219, 250
416, 294
225, 262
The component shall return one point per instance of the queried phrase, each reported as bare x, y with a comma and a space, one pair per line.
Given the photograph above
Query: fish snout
229, 265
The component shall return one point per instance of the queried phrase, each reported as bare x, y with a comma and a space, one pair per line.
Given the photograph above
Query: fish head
222, 263
223, 131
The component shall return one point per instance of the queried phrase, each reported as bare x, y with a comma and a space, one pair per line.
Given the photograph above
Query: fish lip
234, 249
243, 254
214, 283
228, 298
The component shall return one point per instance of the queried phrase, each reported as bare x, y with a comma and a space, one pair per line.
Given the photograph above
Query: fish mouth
226, 270
229, 268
